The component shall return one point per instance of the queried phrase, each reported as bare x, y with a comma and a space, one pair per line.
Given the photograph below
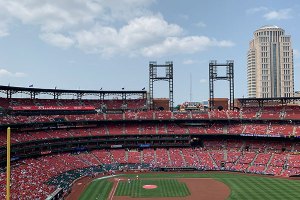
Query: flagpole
8, 165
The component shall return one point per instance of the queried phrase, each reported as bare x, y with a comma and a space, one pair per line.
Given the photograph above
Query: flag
31, 85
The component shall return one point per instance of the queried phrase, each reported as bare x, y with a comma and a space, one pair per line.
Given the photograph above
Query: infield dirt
200, 188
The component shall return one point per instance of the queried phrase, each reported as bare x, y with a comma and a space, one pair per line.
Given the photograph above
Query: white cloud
138, 33
61, 15
147, 30
102, 40
279, 14
58, 40
190, 44
51, 15
3, 28
270, 14
4, 72
104, 27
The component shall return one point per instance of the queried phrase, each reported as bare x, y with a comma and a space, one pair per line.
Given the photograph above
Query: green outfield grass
165, 188
242, 186
98, 190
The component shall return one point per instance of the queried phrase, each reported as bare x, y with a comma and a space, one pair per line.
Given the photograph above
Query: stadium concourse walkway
36, 178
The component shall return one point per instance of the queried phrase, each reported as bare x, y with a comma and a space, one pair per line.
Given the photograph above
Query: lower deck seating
29, 175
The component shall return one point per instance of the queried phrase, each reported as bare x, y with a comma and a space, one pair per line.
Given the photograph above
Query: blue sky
89, 44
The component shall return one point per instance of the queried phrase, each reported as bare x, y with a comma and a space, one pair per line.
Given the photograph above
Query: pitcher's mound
150, 186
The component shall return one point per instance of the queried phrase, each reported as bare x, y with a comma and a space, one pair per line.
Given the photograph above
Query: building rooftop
269, 27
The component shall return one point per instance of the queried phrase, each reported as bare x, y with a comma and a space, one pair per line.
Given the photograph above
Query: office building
270, 71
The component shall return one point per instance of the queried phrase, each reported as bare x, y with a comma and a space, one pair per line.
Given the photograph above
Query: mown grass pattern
165, 188
242, 186
262, 188
97, 190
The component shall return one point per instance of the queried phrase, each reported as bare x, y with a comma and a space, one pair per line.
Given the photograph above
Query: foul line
112, 193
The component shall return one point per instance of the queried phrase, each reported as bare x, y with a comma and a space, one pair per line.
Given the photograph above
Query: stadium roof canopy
9, 91
261, 101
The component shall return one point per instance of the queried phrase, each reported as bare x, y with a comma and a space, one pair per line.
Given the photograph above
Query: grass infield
165, 188
242, 186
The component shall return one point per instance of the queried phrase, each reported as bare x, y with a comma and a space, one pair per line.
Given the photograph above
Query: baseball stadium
121, 145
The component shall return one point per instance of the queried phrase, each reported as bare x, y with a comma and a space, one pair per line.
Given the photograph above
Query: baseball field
186, 186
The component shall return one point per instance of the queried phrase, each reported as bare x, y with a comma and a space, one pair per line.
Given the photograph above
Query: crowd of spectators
29, 176
135, 128
284, 113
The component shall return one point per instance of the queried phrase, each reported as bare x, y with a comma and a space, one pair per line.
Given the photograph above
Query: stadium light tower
213, 76
153, 76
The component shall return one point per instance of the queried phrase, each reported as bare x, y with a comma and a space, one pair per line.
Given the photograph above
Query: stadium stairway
225, 129
155, 157
169, 158
213, 160
126, 156
244, 129
293, 148
265, 150
106, 130
156, 129
141, 157
96, 158
86, 158
268, 163
282, 171
187, 131
252, 162
268, 129
294, 130
184, 161
287, 160
190, 115
172, 115
225, 154
282, 114
111, 157
258, 114
228, 116
165, 128
237, 160
241, 115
